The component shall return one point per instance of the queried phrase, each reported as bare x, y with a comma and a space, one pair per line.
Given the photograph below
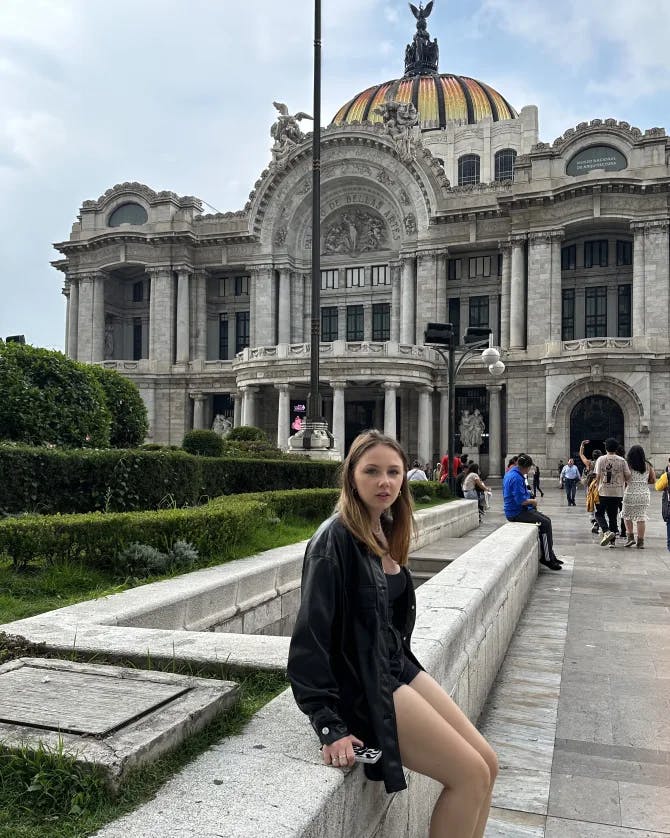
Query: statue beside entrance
471, 430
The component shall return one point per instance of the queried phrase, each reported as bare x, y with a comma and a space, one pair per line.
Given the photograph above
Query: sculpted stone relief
353, 231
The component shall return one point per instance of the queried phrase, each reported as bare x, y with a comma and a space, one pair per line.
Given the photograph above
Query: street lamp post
439, 335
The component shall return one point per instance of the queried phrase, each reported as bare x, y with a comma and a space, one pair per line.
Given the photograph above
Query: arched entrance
595, 418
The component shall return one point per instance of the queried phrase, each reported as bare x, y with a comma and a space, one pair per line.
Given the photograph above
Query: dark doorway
358, 416
595, 418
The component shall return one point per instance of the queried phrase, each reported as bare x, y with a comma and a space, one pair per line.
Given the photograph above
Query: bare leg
452, 713
641, 527
431, 745
629, 526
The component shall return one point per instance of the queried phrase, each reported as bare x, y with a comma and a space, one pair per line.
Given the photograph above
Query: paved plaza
580, 711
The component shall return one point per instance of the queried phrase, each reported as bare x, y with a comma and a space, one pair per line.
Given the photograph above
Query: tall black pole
451, 480
314, 402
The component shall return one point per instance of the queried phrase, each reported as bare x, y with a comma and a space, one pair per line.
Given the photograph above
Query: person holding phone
351, 667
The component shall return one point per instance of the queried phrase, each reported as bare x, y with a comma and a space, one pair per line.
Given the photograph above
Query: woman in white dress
636, 495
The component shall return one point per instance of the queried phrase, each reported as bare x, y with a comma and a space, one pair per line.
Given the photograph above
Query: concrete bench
269, 781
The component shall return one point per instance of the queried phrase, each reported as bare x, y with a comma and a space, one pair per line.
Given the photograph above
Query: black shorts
403, 671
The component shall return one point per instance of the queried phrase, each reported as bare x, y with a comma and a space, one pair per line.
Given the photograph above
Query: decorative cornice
598, 126
545, 236
145, 192
650, 225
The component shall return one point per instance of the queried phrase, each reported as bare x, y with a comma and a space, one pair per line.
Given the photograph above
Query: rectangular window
595, 254
329, 279
241, 286
380, 275
500, 264
624, 323
354, 322
472, 267
455, 315
568, 314
381, 321
479, 311
354, 277
222, 287
596, 312
486, 266
138, 292
624, 253
569, 257
241, 330
223, 337
137, 338
328, 323
454, 268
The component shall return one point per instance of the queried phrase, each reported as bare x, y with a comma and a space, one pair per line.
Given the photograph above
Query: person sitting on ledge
520, 507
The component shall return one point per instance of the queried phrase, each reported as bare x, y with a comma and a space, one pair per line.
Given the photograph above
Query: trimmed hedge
203, 444
128, 411
96, 538
48, 481
420, 488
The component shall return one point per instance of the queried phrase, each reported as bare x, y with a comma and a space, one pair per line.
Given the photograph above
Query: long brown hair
398, 521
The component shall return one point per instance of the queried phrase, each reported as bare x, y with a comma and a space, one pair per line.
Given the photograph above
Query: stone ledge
273, 784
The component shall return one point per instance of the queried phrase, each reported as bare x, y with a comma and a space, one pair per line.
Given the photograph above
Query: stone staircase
431, 559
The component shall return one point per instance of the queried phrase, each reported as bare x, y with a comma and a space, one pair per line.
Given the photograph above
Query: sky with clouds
178, 95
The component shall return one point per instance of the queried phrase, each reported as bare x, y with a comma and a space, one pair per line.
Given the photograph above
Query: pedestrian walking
588, 475
612, 472
536, 482
663, 485
636, 495
568, 479
350, 663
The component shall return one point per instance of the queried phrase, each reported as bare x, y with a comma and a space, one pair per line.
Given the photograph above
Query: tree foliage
128, 411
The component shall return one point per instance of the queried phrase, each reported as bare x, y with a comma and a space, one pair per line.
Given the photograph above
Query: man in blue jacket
519, 506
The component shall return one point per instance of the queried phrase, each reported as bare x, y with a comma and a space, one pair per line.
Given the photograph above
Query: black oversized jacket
338, 660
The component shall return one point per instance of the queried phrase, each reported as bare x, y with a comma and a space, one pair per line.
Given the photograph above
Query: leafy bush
247, 433
47, 481
203, 443
47, 399
141, 560
430, 489
128, 411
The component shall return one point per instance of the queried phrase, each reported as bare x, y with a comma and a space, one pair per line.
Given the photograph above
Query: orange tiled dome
438, 97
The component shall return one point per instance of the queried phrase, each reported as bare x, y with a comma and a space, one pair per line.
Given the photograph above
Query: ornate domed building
438, 204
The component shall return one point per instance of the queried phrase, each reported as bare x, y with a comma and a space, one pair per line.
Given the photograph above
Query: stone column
98, 320
183, 316
444, 420
424, 441
426, 293
263, 307
544, 286
390, 395
338, 388
495, 430
199, 404
162, 325
284, 302
297, 304
638, 301
657, 278
556, 316
237, 409
395, 269
441, 287
249, 404
73, 318
200, 316
307, 308
505, 291
407, 300
518, 293
283, 416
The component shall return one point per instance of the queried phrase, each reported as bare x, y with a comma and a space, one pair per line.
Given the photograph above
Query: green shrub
247, 433
49, 480
141, 560
203, 443
97, 538
129, 423
48, 399
430, 489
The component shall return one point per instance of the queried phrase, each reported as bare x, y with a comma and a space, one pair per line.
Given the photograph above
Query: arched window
468, 169
128, 214
504, 164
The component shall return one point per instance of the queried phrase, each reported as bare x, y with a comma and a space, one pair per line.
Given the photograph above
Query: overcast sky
178, 95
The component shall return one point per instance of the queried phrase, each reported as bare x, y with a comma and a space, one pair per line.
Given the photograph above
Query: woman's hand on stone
340, 754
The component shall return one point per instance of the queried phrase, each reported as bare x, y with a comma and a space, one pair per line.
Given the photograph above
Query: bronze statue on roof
421, 55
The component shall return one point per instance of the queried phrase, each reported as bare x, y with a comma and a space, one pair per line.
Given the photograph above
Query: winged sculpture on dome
422, 54
422, 13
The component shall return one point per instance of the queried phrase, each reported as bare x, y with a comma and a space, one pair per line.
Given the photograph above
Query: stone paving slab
108, 717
